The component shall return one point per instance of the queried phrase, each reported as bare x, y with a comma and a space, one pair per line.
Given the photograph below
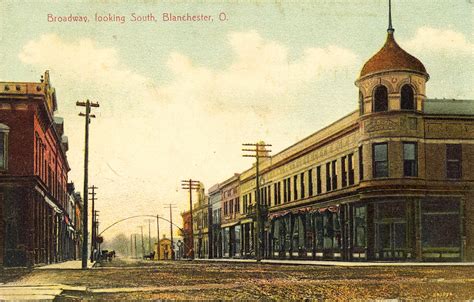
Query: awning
49, 201
278, 214
226, 225
333, 209
247, 220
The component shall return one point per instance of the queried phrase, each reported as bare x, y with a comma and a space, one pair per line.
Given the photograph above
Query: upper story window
295, 187
410, 162
361, 163
318, 180
328, 177
361, 103
453, 161
334, 174
350, 161
288, 189
344, 171
380, 160
310, 182
407, 98
302, 188
381, 99
4, 129
277, 192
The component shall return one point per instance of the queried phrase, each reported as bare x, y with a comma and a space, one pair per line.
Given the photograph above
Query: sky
177, 99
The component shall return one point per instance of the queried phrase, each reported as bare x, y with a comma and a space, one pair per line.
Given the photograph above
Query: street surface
137, 279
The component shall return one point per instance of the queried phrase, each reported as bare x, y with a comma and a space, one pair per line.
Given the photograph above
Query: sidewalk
339, 263
16, 291
72, 264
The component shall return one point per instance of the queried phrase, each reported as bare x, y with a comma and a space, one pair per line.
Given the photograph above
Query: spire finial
390, 28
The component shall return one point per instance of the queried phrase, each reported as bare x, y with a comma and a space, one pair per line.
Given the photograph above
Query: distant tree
120, 244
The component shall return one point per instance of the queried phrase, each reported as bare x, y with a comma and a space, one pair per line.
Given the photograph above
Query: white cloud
94, 70
261, 73
444, 41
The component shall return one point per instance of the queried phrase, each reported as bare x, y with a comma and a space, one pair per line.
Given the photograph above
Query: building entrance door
391, 240
391, 231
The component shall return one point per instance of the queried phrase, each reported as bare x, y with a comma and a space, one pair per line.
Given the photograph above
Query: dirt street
136, 279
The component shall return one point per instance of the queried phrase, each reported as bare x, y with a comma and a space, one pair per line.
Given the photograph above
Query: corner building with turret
391, 181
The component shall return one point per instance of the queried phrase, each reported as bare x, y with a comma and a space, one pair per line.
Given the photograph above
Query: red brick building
33, 174
188, 234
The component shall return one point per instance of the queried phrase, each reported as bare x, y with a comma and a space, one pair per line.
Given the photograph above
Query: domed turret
391, 57
392, 79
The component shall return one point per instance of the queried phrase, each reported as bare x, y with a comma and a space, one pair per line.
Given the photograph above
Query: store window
360, 226
441, 224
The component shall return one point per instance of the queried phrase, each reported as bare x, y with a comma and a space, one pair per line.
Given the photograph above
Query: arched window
407, 99
361, 102
381, 99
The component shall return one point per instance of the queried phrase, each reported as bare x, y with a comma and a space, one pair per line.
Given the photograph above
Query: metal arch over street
136, 216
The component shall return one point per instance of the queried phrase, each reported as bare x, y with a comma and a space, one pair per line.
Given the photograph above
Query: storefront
307, 233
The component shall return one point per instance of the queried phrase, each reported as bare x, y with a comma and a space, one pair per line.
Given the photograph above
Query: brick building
230, 227
187, 234
391, 181
33, 175
215, 211
201, 224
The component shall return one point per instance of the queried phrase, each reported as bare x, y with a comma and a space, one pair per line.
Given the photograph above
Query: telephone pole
96, 231
171, 206
143, 243
94, 220
158, 235
135, 237
149, 236
190, 185
260, 151
88, 104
